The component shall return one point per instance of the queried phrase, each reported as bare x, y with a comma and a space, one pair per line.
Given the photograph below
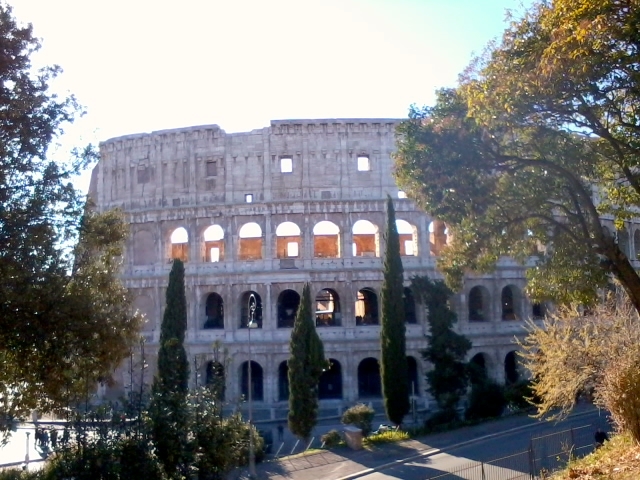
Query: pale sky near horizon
143, 65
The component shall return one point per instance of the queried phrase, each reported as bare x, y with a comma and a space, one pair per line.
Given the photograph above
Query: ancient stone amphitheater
255, 215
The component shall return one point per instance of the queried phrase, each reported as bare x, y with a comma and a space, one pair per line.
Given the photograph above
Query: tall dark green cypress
169, 411
393, 367
306, 363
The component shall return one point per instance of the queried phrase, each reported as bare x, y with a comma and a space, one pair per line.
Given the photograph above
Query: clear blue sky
144, 65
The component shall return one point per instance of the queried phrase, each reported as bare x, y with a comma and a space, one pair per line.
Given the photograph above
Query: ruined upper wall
204, 165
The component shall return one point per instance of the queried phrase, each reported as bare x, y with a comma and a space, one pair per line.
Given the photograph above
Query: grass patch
390, 436
618, 459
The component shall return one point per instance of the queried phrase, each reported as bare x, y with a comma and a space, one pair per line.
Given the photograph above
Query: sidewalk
346, 464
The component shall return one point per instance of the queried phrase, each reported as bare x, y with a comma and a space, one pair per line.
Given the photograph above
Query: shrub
520, 395
331, 439
360, 416
442, 419
390, 436
486, 400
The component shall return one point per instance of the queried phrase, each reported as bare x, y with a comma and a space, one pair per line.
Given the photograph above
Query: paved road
500, 445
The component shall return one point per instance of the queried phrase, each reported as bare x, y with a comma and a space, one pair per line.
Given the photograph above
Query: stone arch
288, 303
143, 251
366, 239
369, 383
510, 301
144, 304
636, 244
213, 243
409, 306
408, 235
328, 312
213, 311
330, 385
283, 381
366, 307
180, 244
288, 240
438, 236
538, 310
480, 366
412, 371
250, 242
326, 240
248, 300
257, 381
479, 304
511, 369
215, 378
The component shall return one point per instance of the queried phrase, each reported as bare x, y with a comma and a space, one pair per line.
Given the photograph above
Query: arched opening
437, 237
369, 384
214, 311
257, 392
479, 368
365, 239
214, 244
288, 240
412, 370
143, 248
478, 304
180, 244
328, 309
330, 385
288, 302
409, 306
250, 301
408, 238
366, 307
636, 244
511, 372
144, 305
283, 381
326, 240
538, 311
510, 302
215, 379
623, 241
250, 243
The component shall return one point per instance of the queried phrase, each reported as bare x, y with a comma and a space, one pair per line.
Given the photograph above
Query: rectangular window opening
408, 247
248, 198
401, 194
363, 164
292, 249
215, 254
212, 169
286, 164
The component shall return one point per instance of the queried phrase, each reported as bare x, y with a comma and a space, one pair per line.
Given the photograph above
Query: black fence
544, 455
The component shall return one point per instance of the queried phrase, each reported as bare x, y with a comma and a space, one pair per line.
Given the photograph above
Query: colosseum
257, 214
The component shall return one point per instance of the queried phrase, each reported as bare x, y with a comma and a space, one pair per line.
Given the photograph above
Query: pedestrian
65, 436
600, 437
53, 437
280, 433
37, 438
45, 439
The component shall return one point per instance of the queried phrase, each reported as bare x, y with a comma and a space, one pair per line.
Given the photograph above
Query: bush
331, 439
442, 419
390, 436
360, 416
487, 400
520, 395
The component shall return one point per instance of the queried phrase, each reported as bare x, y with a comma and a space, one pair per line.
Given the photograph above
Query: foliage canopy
540, 139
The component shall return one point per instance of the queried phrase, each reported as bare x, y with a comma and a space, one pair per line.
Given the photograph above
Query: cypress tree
446, 350
306, 363
393, 367
169, 411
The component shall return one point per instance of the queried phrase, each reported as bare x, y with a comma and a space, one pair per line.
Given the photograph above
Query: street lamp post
252, 458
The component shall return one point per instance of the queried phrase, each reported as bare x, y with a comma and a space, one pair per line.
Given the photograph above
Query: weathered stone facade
176, 184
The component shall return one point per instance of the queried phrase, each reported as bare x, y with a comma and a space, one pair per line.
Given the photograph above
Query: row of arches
289, 240
332, 379
511, 303
328, 310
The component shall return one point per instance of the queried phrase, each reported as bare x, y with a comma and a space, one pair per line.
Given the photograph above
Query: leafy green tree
59, 335
393, 366
538, 142
169, 412
306, 364
446, 349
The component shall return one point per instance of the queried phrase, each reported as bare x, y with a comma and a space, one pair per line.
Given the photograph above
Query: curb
434, 451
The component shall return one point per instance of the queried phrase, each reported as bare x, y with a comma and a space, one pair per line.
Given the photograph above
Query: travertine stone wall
200, 176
